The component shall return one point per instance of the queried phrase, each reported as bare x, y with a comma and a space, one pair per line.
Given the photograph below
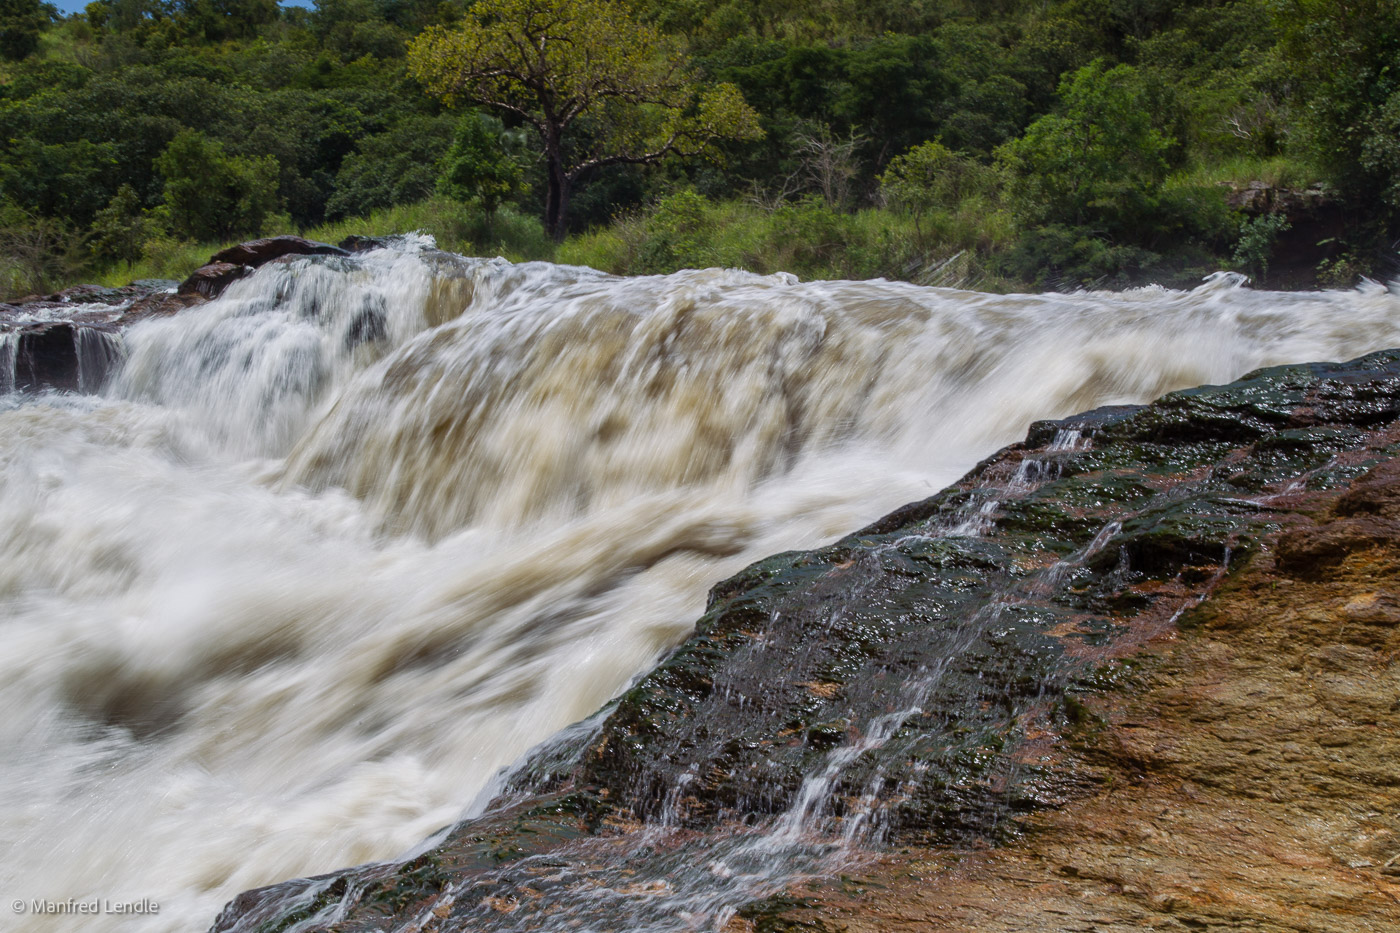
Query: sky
73, 6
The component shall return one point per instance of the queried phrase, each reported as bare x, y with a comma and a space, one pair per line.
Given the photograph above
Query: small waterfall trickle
100, 353
9, 342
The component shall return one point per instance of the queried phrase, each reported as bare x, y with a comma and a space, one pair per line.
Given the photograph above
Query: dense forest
984, 143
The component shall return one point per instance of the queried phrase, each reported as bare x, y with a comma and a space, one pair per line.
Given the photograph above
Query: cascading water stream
331, 551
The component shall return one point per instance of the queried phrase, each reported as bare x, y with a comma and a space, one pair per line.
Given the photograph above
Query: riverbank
1298, 244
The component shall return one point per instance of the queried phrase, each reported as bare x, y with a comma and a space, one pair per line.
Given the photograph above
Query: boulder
256, 252
65, 355
209, 281
46, 356
363, 244
91, 294
160, 304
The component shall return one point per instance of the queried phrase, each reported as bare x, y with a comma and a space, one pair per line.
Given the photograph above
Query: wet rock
229, 265
65, 355
254, 253
1249, 772
160, 304
210, 280
1077, 674
363, 244
93, 294
46, 356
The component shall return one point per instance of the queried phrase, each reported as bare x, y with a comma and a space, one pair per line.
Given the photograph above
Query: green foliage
20, 24
1061, 256
478, 166
1098, 161
36, 253
808, 238
209, 194
931, 177
121, 229
217, 20
1343, 57
462, 228
1063, 143
1256, 243
598, 87
398, 166
676, 235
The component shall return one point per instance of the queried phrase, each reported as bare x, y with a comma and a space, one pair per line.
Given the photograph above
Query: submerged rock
1085, 619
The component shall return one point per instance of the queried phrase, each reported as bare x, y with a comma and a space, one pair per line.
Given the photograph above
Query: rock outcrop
1247, 780
38, 350
229, 265
1316, 229
254, 253
1139, 670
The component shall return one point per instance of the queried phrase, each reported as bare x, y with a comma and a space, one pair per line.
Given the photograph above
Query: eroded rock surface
1135, 671
1249, 779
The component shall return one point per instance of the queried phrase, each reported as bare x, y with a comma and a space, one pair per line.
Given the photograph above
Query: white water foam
338, 546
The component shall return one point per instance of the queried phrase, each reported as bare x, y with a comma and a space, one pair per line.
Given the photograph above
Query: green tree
1344, 59
931, 177
1099, 162
122, 228
217, 20
20, 24
477, 166
598, 87
211, 195
397, 166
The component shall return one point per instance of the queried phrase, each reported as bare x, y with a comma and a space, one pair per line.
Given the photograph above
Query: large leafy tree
211, 195
1099, 161
597, 86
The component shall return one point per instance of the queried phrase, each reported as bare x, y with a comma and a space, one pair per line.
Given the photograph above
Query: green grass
1276, 172
460, 228
806, 238
683, 231
457, 227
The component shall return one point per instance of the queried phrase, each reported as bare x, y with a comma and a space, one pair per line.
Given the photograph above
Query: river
328, 553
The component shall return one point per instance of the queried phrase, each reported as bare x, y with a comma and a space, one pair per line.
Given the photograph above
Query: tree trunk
556, 202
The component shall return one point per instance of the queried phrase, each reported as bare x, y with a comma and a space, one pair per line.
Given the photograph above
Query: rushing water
332, 550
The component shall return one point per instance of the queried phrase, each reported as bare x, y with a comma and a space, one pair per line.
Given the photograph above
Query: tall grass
461, 228
806, 238
685, 230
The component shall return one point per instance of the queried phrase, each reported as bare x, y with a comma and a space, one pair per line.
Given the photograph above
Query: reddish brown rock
159, 304
210, 280
256, 252
1251, 784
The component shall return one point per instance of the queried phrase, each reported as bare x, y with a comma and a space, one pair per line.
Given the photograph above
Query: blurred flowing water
332, 550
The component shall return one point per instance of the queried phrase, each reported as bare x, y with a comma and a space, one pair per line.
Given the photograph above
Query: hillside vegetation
985, 143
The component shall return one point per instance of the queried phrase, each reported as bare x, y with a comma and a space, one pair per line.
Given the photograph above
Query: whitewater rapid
334, 549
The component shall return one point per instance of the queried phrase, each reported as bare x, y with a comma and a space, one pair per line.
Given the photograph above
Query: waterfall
287, 587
